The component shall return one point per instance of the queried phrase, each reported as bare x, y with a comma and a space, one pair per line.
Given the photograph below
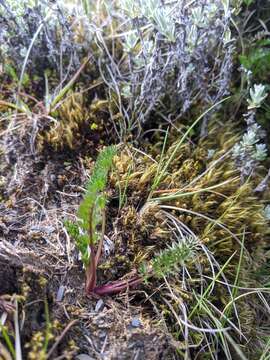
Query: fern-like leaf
178, 254
92, 205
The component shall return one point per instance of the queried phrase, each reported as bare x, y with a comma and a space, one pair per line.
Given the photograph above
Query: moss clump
201, 196
73, 122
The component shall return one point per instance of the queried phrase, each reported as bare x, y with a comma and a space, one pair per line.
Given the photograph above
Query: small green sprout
89, 228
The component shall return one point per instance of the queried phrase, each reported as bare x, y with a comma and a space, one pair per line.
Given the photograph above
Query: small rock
42, 229
60, 293
83, 357
102, 334
135, 322
99, 305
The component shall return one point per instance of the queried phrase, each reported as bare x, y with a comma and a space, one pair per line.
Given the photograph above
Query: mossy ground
213, 305
43, 261
38, 259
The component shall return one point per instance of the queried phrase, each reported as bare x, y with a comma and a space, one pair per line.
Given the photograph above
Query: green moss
206, 197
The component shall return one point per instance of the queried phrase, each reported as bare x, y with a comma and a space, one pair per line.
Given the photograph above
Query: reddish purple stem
117, 286
91, 270
91, 273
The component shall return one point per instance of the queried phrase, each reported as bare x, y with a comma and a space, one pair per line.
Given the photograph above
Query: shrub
173, 55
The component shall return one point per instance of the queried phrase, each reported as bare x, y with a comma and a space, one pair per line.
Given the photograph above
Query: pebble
83, 357
135, 322
60, 293
99, 305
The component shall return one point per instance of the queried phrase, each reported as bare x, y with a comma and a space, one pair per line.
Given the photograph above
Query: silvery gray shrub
54, 47
251, 150
174, 54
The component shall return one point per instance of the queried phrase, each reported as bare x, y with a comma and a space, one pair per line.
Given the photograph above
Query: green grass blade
163, 171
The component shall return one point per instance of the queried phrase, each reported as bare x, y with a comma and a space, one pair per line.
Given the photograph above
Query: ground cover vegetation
134, 179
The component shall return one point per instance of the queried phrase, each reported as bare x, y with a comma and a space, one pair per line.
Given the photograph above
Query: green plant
250, 151
257, 95
257, 59
8, 341
170, 260
248, 2
161, 69
91, 215
12, 339
162, 167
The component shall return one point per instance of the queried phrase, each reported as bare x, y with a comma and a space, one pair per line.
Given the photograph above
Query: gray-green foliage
266, 212
251, 150
90, 211
257, 95
174, 52
54, 47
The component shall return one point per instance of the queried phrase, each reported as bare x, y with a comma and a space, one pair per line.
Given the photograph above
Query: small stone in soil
60, 293
135, 322
99, 305
84, 357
